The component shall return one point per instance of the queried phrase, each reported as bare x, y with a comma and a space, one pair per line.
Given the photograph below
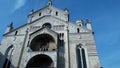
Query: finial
87, 21
66, 10
49, 2
88, 25
10, 25
80, 22
31, 11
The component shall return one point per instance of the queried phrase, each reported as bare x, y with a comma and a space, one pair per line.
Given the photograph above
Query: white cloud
19, 4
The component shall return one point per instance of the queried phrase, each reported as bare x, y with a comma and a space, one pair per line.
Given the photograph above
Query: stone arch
8, 55
43, 42
40, 61
81, 57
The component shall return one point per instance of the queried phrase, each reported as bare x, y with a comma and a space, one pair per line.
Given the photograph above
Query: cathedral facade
49, 40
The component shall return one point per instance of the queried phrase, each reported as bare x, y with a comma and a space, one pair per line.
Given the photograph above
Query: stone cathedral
49, 40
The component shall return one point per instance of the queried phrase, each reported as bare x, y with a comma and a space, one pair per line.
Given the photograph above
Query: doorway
40, 61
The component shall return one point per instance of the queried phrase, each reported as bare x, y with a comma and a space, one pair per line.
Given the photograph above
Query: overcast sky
104, 16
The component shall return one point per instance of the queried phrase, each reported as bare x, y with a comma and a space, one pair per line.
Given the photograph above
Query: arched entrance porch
43, 42
40, 61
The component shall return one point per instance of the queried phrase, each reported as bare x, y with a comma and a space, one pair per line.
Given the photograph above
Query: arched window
78, 30
56, 13
81, 58
8, 55
16, 32
84, 58
39, 14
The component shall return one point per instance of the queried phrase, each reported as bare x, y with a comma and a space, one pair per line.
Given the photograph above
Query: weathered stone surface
68, 38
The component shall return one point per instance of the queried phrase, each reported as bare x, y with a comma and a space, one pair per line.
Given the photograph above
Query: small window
78, 30
16, 32
39, 14
48, 25
56, 13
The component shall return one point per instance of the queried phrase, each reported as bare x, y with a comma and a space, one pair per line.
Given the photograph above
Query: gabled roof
16, 29
48, 16
69, 23
48, 6
42, 29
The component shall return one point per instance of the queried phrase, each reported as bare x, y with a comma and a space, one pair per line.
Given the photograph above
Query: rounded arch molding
81, 55
8, 49
41, 61
43, 42
46, 32
8, 56
81, 44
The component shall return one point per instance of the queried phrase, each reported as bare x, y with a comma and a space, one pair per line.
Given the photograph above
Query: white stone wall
49, 10
71, 39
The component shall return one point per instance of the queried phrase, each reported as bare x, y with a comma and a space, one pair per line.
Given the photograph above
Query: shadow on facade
40, 61
61, 51
5, 62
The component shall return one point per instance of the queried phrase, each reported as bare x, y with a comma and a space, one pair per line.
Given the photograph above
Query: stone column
66, 44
